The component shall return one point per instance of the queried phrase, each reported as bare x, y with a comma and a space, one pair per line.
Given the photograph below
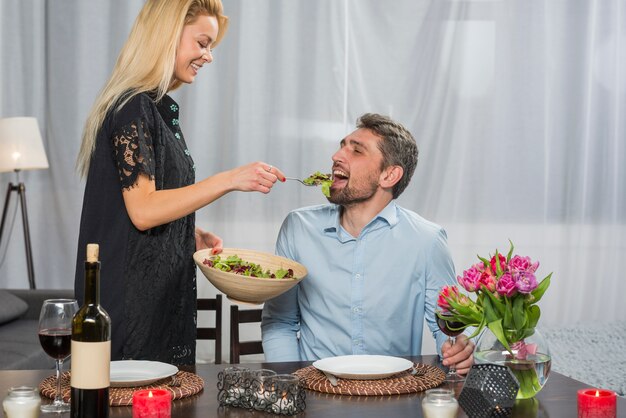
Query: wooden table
556, 400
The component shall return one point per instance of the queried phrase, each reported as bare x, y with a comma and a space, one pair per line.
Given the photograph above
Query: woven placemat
426, 377
182, 385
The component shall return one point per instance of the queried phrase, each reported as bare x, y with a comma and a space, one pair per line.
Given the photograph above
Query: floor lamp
21, 148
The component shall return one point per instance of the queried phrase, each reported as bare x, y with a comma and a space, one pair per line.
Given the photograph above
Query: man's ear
390, 176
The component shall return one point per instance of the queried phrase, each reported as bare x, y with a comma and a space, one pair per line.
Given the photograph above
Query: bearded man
374, 268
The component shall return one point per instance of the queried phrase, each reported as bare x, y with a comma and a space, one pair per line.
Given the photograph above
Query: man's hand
459, 354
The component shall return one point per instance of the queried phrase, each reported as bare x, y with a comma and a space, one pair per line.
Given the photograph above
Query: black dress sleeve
132, 141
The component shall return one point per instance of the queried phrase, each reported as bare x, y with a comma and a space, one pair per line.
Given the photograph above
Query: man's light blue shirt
364, 295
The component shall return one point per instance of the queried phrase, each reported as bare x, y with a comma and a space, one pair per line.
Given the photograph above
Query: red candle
597, 403
152, 403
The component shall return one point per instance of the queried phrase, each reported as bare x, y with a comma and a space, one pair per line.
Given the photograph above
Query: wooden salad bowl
253, 290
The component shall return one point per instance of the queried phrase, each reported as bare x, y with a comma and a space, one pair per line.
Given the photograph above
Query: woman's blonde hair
146, 62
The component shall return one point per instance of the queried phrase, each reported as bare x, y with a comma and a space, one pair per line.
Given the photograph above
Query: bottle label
91, 365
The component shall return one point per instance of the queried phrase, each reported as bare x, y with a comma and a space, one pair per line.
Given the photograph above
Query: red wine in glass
55, 336
451, 328
56, 342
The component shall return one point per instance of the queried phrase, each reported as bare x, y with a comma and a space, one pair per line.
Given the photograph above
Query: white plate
128, 373
363, 367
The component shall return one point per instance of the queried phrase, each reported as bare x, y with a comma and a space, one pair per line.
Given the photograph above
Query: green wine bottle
91, 348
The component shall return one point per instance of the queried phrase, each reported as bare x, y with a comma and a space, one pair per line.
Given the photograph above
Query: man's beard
349, 196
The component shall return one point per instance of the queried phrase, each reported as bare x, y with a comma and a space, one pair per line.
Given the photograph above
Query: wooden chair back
241, 348
212, 333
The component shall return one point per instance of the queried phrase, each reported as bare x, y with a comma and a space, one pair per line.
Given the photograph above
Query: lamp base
21, 191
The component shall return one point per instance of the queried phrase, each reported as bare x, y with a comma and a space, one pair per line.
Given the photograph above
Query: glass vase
529, 359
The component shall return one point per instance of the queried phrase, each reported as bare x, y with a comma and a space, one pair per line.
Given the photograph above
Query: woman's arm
148, 207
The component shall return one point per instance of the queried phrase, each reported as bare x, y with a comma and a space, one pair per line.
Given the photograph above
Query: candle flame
150, 394
597, 393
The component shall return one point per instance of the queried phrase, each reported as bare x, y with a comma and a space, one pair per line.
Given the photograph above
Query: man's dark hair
397, 146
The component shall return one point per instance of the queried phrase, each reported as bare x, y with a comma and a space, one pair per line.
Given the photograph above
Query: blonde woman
141, 194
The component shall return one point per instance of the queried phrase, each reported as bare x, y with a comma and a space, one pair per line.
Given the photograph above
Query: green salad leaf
234, 264
319, 179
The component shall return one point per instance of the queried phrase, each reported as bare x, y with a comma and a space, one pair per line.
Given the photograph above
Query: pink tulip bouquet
506, 295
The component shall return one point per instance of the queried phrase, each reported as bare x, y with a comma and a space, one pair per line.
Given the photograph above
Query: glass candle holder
439, 403
261, 390
256, 393
232, 384
22, 402
284, 394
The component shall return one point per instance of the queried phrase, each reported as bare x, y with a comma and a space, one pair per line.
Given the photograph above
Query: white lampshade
21, 147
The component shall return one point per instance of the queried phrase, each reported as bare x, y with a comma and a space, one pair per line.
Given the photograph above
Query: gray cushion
11, 307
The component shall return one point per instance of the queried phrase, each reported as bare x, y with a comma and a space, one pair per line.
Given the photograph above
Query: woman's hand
255, 177
206, 239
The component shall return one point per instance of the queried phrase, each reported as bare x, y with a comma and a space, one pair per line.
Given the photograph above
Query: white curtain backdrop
517, 107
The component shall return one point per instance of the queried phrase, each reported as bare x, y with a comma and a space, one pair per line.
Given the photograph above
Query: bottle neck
92, 283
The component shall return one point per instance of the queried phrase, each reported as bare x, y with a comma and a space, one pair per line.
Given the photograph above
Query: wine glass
55, 336
451, 328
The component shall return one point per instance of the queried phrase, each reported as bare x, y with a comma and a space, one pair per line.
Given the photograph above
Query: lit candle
286, 386
152, 403
597, 403
258, 399
439, 403
285, 405
22, 402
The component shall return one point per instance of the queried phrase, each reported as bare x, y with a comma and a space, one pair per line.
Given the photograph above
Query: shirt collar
387, 216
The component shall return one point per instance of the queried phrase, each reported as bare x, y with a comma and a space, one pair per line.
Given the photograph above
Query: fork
174, 382
293, 178
417, 372
331, 378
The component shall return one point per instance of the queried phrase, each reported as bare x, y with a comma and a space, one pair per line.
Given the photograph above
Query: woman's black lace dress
148, 278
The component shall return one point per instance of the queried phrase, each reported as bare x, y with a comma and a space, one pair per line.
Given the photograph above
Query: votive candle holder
439, 403
597, 403
152, 403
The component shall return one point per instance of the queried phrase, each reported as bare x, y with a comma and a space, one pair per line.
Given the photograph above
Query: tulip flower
506, 291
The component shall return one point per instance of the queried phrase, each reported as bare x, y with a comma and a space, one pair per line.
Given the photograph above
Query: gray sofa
19, 317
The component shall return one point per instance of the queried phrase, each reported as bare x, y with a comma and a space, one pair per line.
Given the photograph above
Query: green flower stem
528, 380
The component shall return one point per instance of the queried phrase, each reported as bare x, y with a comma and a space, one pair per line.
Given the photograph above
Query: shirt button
356, 310
357, 276
356, 342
